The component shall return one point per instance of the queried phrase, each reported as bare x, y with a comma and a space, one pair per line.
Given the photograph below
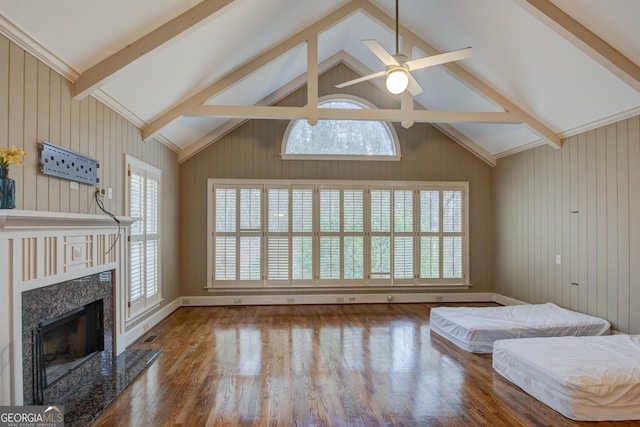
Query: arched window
341, 139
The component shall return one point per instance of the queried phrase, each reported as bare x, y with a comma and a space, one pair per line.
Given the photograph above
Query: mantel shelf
13, 219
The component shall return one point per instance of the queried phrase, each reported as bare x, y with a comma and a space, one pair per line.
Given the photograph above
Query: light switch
558, 259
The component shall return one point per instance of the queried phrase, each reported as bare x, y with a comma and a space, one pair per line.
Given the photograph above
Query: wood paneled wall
36, 105
581, 202
253, 151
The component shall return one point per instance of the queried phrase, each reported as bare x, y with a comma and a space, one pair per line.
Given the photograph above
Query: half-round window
341, 139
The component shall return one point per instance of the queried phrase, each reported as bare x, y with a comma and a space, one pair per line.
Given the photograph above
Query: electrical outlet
237, 300
439, 298
110, 193
101, 191
339, 299
390, 298
291, 300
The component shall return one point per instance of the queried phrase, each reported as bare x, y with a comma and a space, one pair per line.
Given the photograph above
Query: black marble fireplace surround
89, 388
46, 303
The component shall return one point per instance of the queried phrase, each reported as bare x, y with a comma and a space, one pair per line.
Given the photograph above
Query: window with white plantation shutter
442, 235
380, 235
143, 202
403, 236
237, 235
329, 235
278, 236
301, 234
353, 234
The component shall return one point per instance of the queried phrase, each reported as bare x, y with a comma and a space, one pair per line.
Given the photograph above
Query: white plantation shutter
403, 254
452, 234
429, 234
225, 258
143, 202
329, 234
380, 226
353, 234
302, 234
237, 257
441, 235
278, 236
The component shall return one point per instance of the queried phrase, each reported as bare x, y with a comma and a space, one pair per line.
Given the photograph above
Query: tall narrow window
143, 191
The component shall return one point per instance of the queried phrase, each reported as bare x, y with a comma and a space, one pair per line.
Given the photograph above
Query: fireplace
67, 335
63, 343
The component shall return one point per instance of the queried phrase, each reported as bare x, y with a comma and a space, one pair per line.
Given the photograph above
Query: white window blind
238, 235
300, 234
143, 202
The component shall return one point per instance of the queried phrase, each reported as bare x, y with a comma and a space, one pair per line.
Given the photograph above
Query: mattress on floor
583, 378
476, 328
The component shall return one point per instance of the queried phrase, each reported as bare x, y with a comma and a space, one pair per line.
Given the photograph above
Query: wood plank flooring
346, 365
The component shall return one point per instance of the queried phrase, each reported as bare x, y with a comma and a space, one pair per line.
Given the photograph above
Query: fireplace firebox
63, 343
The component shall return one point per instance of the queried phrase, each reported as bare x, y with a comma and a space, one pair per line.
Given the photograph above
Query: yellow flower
11, 156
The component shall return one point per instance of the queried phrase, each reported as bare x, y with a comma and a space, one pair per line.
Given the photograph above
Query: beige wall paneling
582, 232
30, 132
634, 223
590, 233
601, 220
16, 112
55, 125
42, 134
589, 218
622, 168
253, 151
612, 224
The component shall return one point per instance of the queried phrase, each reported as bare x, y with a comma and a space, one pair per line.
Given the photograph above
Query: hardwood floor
346, 365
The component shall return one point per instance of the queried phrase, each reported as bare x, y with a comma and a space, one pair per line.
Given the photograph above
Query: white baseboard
139, 330
133, 334
215, 300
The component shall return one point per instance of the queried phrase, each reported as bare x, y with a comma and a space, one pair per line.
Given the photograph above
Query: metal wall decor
60, 162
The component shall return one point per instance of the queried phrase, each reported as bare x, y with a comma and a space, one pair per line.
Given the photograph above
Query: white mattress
583, 378
476, 328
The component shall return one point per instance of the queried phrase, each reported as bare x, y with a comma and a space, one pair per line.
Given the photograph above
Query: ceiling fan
399, 66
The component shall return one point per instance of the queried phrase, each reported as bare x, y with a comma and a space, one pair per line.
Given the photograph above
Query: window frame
367, 282
363, 103
147, 302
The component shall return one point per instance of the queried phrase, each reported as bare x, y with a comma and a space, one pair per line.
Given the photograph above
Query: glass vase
7, 190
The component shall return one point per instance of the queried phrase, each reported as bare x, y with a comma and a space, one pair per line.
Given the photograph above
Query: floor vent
150, 338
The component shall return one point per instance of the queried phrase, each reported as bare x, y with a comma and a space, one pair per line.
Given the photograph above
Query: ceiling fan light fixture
397, 80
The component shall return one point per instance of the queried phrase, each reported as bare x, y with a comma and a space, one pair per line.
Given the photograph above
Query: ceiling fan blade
414, 87
361, 79
454, 55
380, 52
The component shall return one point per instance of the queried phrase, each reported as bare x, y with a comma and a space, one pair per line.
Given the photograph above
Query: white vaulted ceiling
547, 69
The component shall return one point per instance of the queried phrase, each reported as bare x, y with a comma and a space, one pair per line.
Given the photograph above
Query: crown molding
31, 45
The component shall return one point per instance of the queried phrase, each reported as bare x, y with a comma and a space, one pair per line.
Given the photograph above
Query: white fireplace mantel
39, 249
11, 219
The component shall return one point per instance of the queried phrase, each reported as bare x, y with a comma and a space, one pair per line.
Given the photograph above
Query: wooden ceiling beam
463, 75
585, 40
394, 115
250, 66
101, 73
